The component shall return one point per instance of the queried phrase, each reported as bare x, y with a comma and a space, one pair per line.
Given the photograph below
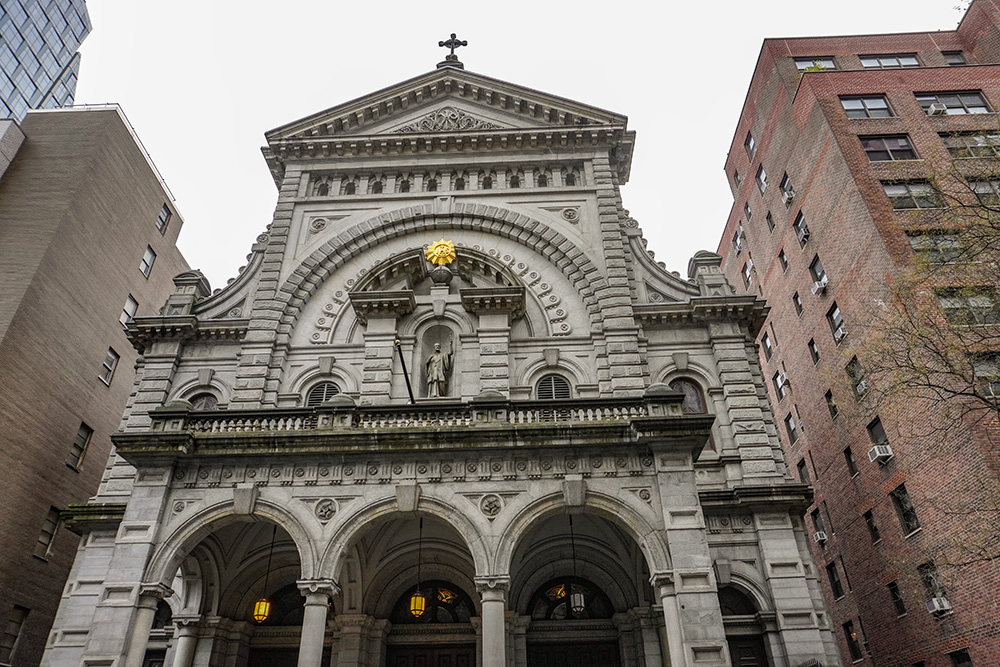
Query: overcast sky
202, 80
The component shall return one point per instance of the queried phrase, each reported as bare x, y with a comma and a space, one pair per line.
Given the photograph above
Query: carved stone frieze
447, 119
730, 523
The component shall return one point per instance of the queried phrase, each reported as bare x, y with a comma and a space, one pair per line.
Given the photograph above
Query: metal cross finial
453, 44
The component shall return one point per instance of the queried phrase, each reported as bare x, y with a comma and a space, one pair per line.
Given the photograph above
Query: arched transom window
694, 400
569, 598
552, 387
443, 603
321, 393
204, 401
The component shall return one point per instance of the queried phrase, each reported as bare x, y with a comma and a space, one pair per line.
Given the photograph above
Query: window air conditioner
880, 453
803, 235
820, 537
938, 605
840, 333
787, 197
781, 380
937, 109
861, 387
820, 286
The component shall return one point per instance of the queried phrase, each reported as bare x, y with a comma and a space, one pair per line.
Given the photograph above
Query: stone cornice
144, 331
369, 304
746, 309
85, 517
786, 497
487, 300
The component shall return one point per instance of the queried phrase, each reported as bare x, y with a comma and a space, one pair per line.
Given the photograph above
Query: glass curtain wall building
39, 62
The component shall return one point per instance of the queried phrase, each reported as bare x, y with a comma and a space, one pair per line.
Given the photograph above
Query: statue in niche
436, 370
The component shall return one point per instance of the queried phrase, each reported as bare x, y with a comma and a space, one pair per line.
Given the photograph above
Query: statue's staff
406, 375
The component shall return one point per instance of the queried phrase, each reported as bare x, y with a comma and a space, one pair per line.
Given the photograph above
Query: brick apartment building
87, 240
830, 166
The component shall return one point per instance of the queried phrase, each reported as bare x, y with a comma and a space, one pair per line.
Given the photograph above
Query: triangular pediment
447, 101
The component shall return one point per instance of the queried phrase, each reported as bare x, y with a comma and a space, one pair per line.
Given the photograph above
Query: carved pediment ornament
447, 119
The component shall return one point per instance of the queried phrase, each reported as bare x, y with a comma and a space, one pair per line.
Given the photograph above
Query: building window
852, 641
11, 631
321, 393
163, 218
856, 375
787, 190
886, 149
836, 321
912, 195
852, 464
79, 448
870, 106
747, 212
954, 58
986, 369
831, 404
108, 367
897, 598
128, 311
738, 240
767, 346
432, 185
801, 228
783, 260
803, 469
834, 577
872, 528
761, 179
813, 350
206, 401
460, 182
780, 382
750, 145
935, 247
969, 305
815, 63
569, 179
747, 272
146, 265
793, 432
694, 399
877, 432
972, 144
378, 187
404, 185
953, 104
817, 519
890, 61
770, 221
904, 508
933, 588
515, 181
960, 658
552, 387
817, 271
543, 181
737, 179
987, 192
797, 302
47, 534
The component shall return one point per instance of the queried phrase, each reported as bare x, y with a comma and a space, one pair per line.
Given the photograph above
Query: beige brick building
81, 211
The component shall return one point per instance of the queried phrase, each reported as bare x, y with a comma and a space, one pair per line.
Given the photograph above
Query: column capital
309, 587
494, 586
663, 582
187, 621
155, 590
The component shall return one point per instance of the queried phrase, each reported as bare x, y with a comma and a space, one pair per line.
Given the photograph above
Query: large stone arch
169, 554
529, 232
346, 533
642, 529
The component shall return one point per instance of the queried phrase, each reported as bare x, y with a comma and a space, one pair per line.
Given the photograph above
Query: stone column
142, 622
494, 592
664, 583
317, 593
187, 640
353, 649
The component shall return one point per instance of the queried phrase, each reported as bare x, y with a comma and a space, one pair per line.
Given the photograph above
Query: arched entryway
744, 631
443, 612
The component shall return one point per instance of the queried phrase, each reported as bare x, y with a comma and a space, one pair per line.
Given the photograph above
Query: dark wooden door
747, 652
431, 656
604, 654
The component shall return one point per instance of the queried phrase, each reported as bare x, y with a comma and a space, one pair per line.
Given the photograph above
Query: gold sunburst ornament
441, 252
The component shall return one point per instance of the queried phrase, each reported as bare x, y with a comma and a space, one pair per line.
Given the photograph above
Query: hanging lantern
577, 602
261, 610
417, 604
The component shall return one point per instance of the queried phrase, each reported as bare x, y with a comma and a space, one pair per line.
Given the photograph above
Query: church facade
451, 412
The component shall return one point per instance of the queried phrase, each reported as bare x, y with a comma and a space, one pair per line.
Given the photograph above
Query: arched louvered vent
321, 393
552, 387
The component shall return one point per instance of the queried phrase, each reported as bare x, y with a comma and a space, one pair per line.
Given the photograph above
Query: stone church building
451, 413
